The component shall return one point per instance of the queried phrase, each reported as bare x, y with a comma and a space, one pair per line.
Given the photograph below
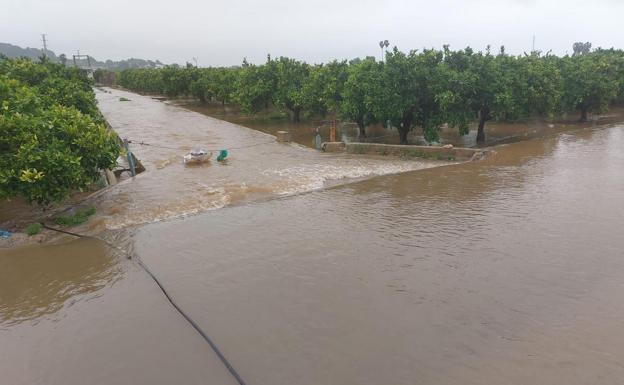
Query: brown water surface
304, 132
257, 167
73, 314
38, 281
505, 271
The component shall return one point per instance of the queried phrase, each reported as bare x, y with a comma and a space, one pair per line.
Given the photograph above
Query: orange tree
52, 138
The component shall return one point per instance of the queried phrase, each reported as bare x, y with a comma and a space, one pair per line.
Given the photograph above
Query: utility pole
45, 45
533, 47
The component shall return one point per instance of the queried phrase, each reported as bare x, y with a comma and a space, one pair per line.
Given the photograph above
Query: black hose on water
194, 324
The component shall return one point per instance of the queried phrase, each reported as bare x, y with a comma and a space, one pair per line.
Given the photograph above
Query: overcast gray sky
223, 32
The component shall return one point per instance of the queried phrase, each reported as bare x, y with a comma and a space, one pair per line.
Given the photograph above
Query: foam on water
258, 168
305, 178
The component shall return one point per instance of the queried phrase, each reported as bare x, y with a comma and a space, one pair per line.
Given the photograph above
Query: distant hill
117, 65
13, 51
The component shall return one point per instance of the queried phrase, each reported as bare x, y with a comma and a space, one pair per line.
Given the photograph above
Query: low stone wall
407, 151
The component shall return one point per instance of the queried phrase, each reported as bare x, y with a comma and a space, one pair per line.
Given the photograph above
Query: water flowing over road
257, 168
504, 271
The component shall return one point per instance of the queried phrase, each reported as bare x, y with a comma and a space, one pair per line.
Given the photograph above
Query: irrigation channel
503, 271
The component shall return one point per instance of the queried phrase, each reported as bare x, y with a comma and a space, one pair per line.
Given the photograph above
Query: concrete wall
407, 151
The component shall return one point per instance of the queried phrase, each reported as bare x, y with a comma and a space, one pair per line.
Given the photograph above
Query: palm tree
382, 44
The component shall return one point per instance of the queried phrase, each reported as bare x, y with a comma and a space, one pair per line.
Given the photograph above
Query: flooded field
305, 131
504, 271
257, 167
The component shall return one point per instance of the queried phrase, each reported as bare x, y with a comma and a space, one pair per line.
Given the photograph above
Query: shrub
78, 218
34, 228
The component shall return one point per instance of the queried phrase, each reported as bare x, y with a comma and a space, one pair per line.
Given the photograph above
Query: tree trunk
484, 115
361, 129
295, 115
403, 135
583, 114
406, 125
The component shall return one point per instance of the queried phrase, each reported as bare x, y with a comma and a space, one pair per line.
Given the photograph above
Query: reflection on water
37, 281
304, 132
503, 271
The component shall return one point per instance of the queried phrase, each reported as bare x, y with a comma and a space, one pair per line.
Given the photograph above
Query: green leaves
52, 138
425, 89
143, 80
361, 93
592, 81
31, 176
255, 87
324, 87
290, 77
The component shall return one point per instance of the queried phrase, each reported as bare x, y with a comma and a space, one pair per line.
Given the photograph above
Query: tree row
409, 90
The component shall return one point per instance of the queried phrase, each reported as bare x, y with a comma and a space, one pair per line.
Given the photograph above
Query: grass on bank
34, 229
78, 218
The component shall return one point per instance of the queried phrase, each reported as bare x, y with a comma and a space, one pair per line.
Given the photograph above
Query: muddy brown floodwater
305, 131
257, 167
504, 271
507, 271
76, 314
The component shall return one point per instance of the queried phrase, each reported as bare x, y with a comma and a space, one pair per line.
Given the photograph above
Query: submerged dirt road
257, 167
506, 271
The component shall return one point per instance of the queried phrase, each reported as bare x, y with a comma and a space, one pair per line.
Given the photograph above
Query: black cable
214, 347
195, 326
